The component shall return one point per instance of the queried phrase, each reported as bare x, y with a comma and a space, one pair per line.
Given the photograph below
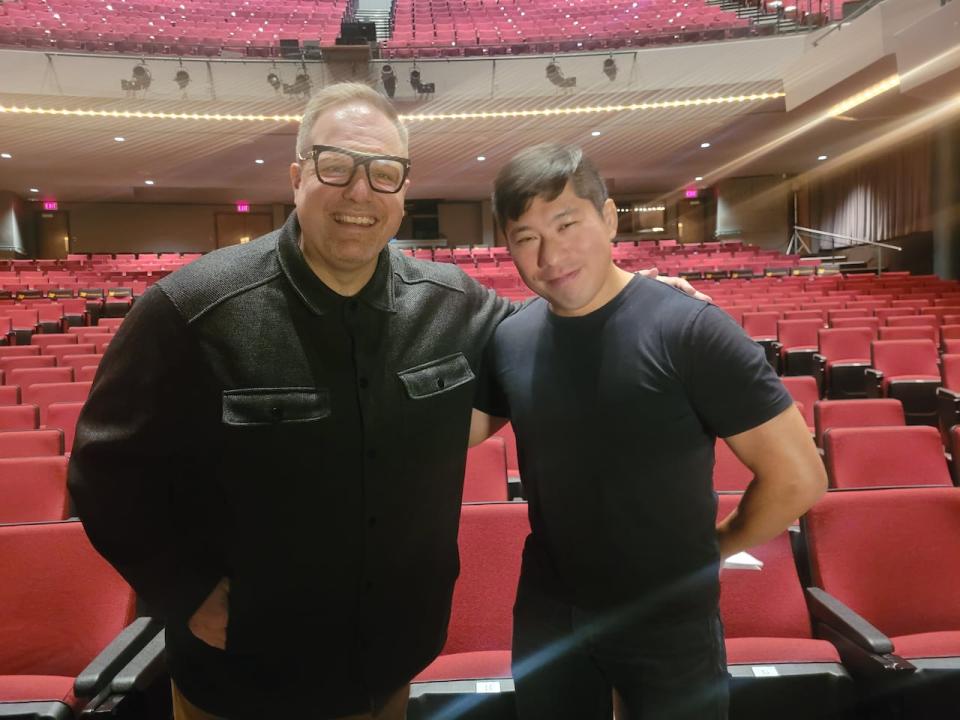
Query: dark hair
543, 171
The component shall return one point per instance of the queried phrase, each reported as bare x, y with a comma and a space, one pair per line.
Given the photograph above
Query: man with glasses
272, 453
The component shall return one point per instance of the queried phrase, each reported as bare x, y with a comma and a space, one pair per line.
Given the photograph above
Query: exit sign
243, 207
50, 205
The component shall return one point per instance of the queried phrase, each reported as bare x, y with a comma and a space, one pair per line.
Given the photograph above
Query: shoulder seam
230, 295
435, 281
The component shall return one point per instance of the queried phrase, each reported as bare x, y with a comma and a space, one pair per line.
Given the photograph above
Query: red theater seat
884, 457
843, 354
63, 416
24, 377
803, 389
65, 607
829, 414
26, 361
43, 394
729, 473
948, 395
485, 477
908, 371
30, 443
476, 655
888, 590
33, 489
797, 341
766, 624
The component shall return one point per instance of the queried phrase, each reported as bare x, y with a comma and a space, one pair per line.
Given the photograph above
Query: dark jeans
566, 663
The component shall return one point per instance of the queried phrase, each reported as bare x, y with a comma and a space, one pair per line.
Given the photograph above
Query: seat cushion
765, 650
926, 645
468, 666
38, 688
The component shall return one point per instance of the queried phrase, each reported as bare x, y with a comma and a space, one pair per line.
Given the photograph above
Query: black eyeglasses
336, 166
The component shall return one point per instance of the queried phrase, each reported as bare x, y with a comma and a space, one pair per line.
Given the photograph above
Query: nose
358, 189
548, 252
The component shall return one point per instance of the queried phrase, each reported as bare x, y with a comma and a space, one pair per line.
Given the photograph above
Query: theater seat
66, 628
474, 666
948, 395
43, 394
842, 356
908, 371
884, 457
19, 417
884, 563
829, 414
803, 389
729, 474
485, 476
63, 416
767, 626
31, 443
33, 489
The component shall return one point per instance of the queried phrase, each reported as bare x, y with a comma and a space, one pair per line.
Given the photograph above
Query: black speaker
357, 33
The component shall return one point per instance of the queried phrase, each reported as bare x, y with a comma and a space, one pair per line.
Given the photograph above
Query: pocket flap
436, 376
265, 406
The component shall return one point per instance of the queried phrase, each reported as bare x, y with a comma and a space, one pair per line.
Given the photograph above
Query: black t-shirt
616, 414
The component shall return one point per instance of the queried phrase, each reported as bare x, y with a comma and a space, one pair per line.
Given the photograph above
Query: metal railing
797, 242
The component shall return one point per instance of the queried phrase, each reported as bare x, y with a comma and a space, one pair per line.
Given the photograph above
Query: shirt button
362, 382
440, 383
371, 454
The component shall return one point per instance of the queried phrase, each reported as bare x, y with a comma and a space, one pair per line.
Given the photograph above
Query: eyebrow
521, 228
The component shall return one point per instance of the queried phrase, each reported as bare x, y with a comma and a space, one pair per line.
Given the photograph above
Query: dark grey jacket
248, 422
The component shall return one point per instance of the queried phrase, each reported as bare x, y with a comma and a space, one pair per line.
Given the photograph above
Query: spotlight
300, 85
421, 88
182, 79
389, 80
140, 79
555, 75
274, 81
610, 68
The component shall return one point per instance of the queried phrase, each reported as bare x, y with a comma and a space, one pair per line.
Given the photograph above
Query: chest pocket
436, 377
257, 407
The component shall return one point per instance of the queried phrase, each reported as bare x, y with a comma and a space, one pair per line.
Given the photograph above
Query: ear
610, 217
296, 176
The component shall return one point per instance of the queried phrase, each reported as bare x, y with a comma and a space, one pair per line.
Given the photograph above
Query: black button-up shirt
248, 422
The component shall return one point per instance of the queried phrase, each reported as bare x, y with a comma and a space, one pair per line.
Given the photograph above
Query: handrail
869, 4
855, 241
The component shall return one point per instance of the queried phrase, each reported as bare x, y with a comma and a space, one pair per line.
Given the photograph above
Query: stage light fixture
140, 79
300, 85
420, 88
182, 79
555, 75
274, 81
610, 68
389, 80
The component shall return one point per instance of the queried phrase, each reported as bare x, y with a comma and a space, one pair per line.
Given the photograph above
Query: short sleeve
490, 397
730, 384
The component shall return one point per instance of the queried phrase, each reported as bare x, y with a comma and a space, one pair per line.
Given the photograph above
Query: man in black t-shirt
617, 387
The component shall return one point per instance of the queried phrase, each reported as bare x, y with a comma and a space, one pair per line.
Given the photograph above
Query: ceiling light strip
493, 115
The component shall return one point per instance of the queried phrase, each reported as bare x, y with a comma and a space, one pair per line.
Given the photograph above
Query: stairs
379, 17
757, 15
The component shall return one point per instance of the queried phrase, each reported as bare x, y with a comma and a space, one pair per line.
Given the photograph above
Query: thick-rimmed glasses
336, 166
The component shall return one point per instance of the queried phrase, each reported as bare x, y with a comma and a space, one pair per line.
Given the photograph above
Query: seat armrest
143, 669
874, 382
830, 611
121, 650
820, 373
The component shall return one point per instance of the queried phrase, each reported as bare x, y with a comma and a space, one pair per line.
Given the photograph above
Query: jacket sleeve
143, 464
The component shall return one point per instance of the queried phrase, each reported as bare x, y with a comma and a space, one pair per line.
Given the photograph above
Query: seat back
31, 443
760, 324
892, 555
768, 603
18, 350
886, 456
60, 351
33, 490
485, 477
798, 333
64, 603
25, 377
26, 361
904, 357
914, 321
829, 414
491, 543
43, 394
54, 339
63, 416
914, 332
19, 417
950, 366
871, 323
845, 343
803, 389
729, 474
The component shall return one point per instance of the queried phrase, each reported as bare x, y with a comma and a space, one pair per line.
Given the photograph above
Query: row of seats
878, 622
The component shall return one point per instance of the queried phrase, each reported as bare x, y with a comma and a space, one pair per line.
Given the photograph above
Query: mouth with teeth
354, 220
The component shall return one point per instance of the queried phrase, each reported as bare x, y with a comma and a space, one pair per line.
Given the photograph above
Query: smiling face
562, 250
343, 229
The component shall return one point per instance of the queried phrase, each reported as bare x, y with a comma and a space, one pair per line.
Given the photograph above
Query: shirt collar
378, 293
